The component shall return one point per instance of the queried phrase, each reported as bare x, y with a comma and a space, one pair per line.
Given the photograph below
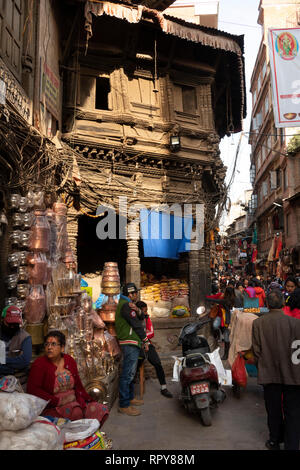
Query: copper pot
110, 277
60, 208
112, 331
108, 316
110, 264
108, 308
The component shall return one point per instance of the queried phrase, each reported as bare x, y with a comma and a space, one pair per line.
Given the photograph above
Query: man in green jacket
131, 336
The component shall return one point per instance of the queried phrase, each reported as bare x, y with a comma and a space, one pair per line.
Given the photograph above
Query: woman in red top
259, 291
54, 377
292, 307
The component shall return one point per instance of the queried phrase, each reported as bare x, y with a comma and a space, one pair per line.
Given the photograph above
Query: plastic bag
177, 368
42, 434
80, 429
223, 375
94, 442
10, 383
238, 370
19, 410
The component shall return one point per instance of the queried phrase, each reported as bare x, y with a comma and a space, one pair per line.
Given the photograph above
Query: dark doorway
93, 253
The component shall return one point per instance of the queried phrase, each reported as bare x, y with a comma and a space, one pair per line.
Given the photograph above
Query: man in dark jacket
18, 344
276, 348
131, 336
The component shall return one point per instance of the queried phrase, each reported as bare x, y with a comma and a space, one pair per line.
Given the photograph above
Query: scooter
200, 388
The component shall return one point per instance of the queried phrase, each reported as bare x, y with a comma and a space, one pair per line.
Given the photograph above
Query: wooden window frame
4, 25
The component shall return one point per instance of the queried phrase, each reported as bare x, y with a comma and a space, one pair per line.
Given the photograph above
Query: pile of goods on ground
165, 297
23, 428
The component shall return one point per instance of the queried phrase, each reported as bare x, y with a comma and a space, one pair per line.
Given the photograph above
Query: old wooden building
134, 79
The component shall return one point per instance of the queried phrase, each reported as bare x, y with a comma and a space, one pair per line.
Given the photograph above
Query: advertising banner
285, 73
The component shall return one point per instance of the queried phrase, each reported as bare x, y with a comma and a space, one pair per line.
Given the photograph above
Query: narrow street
166, 425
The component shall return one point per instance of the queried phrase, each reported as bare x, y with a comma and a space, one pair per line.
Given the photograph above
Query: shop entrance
92, 252
164, 267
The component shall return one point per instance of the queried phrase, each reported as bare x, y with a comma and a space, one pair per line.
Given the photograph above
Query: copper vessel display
37, 269
60, 208
110, 286
39, 239
35, 306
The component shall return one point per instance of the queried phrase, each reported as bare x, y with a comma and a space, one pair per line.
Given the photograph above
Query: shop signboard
2, 92
50, 90
285, 63
88, 290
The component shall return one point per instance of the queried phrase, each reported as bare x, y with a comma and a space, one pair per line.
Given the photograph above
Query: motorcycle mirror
200, 310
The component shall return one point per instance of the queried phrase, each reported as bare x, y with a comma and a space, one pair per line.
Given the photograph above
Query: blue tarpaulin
165, 235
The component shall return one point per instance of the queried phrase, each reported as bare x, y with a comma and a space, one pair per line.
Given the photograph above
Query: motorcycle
200, 388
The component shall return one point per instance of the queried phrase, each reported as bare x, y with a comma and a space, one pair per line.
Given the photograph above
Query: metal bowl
97, 390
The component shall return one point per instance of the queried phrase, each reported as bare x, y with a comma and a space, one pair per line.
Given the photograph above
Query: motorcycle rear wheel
206, 416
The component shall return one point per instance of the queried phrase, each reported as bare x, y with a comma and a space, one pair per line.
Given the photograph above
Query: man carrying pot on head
131, 336
18, 344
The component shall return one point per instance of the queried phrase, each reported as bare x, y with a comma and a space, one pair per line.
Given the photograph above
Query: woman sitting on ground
54, 377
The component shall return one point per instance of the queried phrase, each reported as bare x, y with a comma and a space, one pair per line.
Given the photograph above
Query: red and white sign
198, 388
285, 64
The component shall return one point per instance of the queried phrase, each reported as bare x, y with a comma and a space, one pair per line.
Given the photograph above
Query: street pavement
238, 424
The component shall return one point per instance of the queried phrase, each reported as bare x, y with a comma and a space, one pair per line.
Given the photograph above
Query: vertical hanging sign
285, 65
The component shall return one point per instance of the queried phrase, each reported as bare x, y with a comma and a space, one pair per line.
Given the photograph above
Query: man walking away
131, 336
275, 339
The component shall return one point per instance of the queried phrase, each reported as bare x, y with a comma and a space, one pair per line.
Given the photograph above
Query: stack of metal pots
110, 286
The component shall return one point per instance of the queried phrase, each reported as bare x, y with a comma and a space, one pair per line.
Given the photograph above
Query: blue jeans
126, 385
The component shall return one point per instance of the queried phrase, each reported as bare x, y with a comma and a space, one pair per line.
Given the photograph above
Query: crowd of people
274, 335
234, 290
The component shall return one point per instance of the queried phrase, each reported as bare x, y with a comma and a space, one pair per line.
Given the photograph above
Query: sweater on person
42, 377
129, 329
260, 294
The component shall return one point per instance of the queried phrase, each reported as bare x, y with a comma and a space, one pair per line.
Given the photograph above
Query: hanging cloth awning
165, 235
168, 24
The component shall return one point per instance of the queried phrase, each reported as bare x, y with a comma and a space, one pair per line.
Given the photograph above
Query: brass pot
114, 284
36, 331
97, 389
111, 290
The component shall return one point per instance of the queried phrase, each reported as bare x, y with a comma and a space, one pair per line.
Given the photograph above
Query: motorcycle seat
194, 352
